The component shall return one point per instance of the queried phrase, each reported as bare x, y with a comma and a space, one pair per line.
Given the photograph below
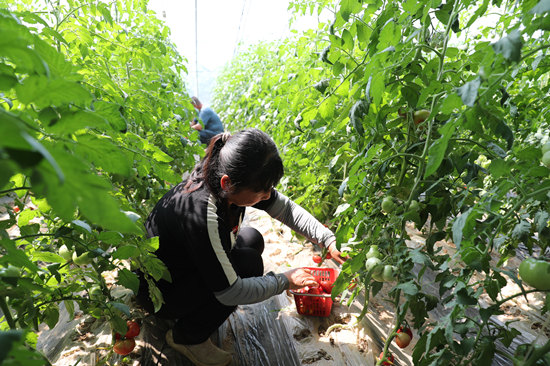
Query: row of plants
93, 119
433, 113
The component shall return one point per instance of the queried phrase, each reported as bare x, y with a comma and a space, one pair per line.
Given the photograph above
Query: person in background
214, 263
211, 121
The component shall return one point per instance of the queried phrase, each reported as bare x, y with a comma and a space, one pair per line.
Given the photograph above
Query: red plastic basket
315, 305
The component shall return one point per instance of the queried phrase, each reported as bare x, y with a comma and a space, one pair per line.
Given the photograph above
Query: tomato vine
472, 165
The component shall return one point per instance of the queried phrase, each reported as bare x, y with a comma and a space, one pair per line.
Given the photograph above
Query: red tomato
16, 209
315, 290
389, 359
133, 329
326, 286
317, 258
403, 337
328, 255
352, 284
124, 346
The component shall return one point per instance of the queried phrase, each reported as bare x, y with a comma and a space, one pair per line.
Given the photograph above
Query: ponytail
208, 163
211, 168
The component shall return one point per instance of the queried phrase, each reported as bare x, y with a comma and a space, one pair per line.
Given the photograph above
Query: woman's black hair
249, 158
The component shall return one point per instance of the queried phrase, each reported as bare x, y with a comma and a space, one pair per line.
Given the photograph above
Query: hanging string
196, 53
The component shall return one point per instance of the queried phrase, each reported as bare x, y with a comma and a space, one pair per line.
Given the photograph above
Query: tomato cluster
126, 344
314, 305
318, 259
379, 271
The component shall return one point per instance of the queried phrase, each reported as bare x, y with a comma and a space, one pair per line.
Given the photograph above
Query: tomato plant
90, 85
465, 174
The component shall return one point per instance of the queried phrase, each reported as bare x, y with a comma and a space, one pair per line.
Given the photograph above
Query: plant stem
7, 312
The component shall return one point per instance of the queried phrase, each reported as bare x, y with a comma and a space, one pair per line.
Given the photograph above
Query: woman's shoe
203, 354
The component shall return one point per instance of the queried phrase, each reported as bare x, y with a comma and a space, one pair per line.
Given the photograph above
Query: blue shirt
212, 125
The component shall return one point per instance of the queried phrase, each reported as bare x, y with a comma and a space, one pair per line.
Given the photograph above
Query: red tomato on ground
317, 258
124, 346
403, 337
133, 329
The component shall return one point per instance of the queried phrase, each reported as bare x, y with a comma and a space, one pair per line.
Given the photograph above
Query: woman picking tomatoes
215, 264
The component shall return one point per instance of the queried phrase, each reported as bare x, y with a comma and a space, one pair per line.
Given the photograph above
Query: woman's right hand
299, 278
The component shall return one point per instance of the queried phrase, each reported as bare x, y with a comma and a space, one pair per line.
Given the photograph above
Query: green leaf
541, 220
437, 150
111, 113
83, 225
128, 279
479, 12
83, 190
48, 257
463, 223
522, 230
499, 168
510, 46
408, 288
463, 298
348, 40
16, 256
468, 92
125, 252
96, 148
411, 95
43, 91
327, 108
155, 267
451, 104
51, 316
377, 88
73, 121
390, 35
151, 244
125, 309
412, 6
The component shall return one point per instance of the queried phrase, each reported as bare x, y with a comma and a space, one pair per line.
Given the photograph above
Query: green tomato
10, 271
414, 206
536, 273
374, 264
65, 253
82, 259
546, 159
379, 277
95, 292
389, 273
545, 147
420, 116
388, 205
373, 252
